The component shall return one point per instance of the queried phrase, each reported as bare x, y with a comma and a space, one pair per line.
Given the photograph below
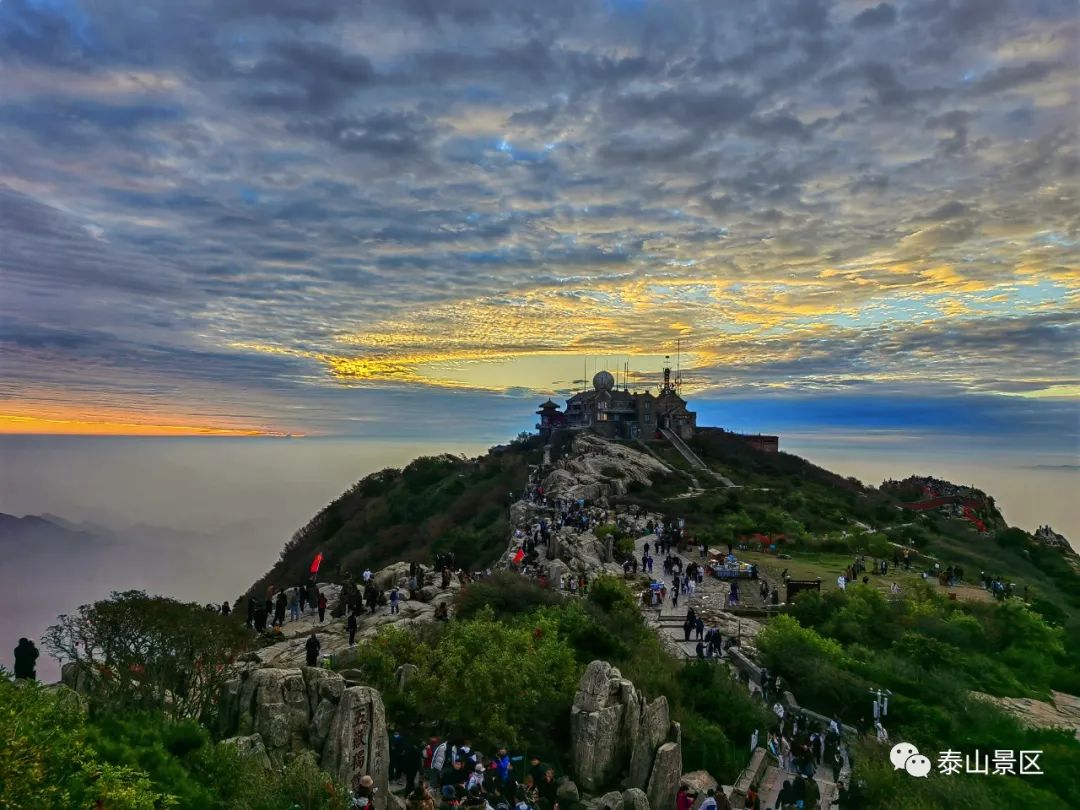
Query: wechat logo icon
905, 756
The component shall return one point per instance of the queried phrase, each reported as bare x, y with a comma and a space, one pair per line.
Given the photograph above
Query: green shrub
46, 762
507, 594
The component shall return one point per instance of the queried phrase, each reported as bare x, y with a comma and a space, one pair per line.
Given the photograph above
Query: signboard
796, 586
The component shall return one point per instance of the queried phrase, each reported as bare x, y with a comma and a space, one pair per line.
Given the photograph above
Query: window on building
648, 418
648, 405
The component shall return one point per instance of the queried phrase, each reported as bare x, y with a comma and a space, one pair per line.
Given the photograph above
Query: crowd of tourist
450, 773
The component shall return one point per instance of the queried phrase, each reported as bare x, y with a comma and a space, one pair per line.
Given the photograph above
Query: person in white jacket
438, 759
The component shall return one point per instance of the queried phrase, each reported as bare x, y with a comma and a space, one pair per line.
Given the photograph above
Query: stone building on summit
621, 414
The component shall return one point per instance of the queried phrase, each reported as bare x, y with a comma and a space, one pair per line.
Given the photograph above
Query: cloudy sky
362, 218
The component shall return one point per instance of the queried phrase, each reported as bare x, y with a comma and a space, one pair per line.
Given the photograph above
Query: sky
419, 217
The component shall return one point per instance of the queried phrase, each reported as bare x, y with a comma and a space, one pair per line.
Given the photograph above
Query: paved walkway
708, 600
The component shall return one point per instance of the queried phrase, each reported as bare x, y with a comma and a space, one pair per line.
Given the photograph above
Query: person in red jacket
684, 799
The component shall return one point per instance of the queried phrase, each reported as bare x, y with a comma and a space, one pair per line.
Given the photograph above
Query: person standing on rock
395, 599
261, 615
279, 608
225, 609
350, 625
312, 648
294, 605
322, 607
26, 656
688, 625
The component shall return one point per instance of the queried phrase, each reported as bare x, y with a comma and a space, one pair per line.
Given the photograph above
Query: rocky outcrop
700, 783
357, 741
1061, 712
664, 779
250, 747
282, 713
635, 799
597, 469
617, 735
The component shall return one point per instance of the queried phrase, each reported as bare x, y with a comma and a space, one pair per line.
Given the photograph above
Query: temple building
620, 413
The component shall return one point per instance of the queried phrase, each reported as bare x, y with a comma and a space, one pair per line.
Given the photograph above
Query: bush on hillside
150, 652
502, 684
45, 760
507, 594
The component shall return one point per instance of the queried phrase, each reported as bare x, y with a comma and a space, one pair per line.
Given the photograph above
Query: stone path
707, 601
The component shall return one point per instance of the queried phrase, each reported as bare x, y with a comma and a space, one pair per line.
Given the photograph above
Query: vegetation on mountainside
138, 739
436, 503
508, 676
45, 760
930, 652
149, 652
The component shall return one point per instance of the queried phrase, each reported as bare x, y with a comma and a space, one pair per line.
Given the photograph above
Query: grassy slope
436, 503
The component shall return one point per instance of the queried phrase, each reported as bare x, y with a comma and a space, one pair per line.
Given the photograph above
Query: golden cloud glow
89, 426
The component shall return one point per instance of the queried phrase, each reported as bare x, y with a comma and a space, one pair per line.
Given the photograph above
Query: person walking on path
312, 648
26, 655
322, 607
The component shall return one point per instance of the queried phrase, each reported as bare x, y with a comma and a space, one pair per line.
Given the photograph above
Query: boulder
609, 801
309, 711
567, 792
251, 747
427, 593
393, 574
404, 674
651, 732
78, 676
700, 783
666, 772
614, 731
635, 799
322, 685
357, 742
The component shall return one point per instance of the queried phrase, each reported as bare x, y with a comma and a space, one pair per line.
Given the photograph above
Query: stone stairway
692, 458
773, 780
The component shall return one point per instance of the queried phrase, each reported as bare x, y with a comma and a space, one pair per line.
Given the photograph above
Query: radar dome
603, 381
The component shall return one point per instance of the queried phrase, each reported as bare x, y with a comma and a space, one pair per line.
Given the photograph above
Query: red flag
519, 556
316, 563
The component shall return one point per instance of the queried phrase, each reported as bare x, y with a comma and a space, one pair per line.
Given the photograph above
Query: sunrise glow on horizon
334, 221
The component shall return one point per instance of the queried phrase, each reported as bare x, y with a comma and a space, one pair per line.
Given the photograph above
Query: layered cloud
318, 216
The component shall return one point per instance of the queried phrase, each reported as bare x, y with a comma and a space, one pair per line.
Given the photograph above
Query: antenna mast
678, 364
